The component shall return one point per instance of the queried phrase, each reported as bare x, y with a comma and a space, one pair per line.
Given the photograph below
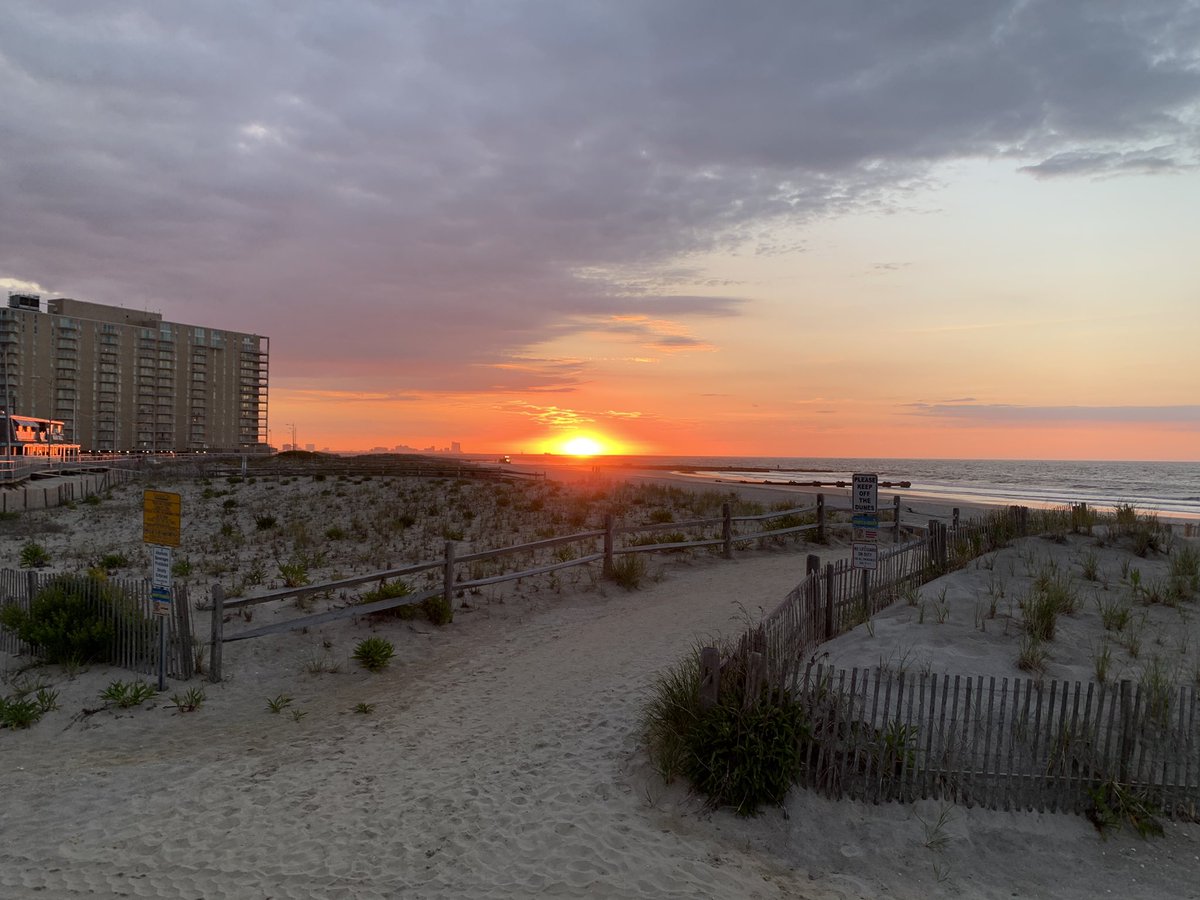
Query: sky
913, 229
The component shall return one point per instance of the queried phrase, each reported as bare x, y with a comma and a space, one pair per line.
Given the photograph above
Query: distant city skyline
929, 229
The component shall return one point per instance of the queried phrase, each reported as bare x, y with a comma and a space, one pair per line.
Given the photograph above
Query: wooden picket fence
880, 735
127, 604
1017, 744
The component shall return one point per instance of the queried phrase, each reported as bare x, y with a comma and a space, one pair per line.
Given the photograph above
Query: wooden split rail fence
720, 535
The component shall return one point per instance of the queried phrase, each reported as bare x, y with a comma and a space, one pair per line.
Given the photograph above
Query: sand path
506, 765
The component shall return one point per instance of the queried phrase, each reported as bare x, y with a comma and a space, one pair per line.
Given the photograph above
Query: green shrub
745, 758
264, 522
374, 653
736, 753
74, 619
335, 533
181, 568
34, 555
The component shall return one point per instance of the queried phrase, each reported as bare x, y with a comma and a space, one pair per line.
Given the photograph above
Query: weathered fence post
866, 592
30, 586
829, 601
820, 518
955, 517
755, 676
448, 576
727, 529
1127, 729
896, 517
943, 547
812, 564
218, 626
607, 570
710, 676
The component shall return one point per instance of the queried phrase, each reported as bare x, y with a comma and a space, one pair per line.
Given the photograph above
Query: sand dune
502, 759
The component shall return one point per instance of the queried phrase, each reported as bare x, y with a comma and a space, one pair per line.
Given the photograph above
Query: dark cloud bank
393, 189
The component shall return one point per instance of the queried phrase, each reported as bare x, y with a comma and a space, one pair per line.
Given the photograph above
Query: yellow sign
160, 518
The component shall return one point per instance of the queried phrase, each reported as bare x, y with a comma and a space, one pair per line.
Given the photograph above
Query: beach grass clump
189, 701
739, 752
435, 609
126, 694
1031, 655
748, 756
1114, 616
1185, 571
628, 570
374, 653
18, 712
34, 555
1114, 804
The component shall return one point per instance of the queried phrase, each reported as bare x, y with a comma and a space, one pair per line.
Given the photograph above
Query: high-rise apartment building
125, 380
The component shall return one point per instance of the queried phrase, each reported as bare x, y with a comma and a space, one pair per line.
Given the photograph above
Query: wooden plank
1010, 738
1036, 744
333, 615
529, 573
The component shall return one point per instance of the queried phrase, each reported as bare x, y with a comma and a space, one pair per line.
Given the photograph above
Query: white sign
865, 494
160, 566
864, 555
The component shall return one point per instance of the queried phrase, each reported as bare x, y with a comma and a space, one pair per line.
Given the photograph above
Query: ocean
1168, 488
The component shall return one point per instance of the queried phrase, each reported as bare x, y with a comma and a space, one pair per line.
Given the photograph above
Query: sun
582, 446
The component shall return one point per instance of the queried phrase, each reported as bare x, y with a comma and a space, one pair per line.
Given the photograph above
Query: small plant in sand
1032, 656
124, 694
1114, 804
111, 561
19, 712
374, 653
294, 573
364, 709
279, 704
34, 555
1114, 615
189, 701
628, 570
265, 522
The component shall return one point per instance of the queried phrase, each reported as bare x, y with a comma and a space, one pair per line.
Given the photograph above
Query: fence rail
594, 546
124, 605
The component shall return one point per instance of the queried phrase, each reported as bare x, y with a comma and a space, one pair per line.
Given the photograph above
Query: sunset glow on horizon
647, 228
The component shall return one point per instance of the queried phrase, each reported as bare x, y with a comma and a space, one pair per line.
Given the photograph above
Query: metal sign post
160, 528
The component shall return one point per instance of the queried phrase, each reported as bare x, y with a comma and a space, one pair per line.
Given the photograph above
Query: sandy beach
501, 755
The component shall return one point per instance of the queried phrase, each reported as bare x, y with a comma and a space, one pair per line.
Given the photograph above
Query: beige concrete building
125, 380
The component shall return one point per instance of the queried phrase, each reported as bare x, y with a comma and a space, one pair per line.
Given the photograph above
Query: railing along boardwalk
719, 535
1013, 744
1018, 744
126, 604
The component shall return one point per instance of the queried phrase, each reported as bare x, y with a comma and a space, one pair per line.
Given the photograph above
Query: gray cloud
426, 189
1187, 415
